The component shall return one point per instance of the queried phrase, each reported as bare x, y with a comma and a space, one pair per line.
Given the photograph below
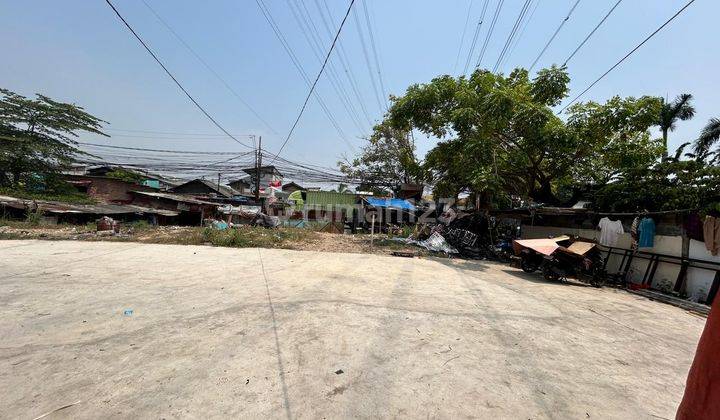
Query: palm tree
679, 109
709, 136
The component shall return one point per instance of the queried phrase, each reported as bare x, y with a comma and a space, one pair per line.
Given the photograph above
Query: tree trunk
543, 194
665, 145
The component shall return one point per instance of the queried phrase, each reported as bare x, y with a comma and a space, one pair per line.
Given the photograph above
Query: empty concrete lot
326, 335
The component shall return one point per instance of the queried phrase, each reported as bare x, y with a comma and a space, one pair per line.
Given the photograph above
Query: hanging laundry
634, 232
694, 227
610, 230
711, 233
646, 230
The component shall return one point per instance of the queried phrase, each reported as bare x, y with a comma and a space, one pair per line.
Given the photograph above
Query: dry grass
238, 237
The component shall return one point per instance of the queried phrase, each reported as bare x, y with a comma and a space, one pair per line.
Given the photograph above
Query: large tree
387, 160
37, 136
499, 133
679, 109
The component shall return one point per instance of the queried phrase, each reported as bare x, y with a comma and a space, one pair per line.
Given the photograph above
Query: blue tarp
395, 203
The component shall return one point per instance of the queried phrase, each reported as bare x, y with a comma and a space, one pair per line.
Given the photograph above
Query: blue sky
80, 52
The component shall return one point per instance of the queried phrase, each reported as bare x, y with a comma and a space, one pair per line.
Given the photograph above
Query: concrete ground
220, 332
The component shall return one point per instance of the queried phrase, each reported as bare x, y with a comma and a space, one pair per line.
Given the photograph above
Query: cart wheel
550, 275
598, 279
528, 266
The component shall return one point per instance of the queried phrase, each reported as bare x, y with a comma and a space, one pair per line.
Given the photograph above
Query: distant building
204, 188
147, 179
241, 185
104, 189
291, 187
269, 177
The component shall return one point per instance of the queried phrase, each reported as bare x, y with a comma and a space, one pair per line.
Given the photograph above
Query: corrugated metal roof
329, 198
174, 197
67, 208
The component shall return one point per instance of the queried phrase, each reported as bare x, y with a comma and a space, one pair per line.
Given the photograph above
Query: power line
286, 46
313, 39
592, 32
471, 52
629, 54
552, 38
207, 66
462, 37
177, 133
189, 152
522, 32
490, 31
366, 55
171, 75
343, 59
512, 34
312, 88
375, 53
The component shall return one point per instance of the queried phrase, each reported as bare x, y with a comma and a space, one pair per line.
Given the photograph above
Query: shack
189, 211
105, 189
204, 189
54, 212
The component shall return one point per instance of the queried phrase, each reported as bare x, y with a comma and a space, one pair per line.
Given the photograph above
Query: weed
33, 217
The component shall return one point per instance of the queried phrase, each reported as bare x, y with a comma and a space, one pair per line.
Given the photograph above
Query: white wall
698, 280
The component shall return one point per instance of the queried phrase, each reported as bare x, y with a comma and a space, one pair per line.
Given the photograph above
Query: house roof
223, 190
174, 197
56, 207
245, 180
329, 198
293, 184
263, 169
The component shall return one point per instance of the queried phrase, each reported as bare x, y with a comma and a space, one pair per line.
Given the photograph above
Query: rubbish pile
469, 235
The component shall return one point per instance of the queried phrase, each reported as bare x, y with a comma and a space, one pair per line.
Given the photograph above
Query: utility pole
258, 163
218, 187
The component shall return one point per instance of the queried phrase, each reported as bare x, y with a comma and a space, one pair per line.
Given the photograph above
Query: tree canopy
499, 134
37, 136
387, 160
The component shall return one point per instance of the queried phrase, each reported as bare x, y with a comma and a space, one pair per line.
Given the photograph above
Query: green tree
679, 109
498, 135
667, 185
709, 136
37, 136
387, 160
342, 188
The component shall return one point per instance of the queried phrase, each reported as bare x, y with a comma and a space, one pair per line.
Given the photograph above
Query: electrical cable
471, 52
286, 46
171, 75
189, 152
366, 55
592, 32
512, 34
350, 75
462, 37
312, 88
210, 69
490, 31
522, 32
552, 38
375, 54
667, 22
311, 35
